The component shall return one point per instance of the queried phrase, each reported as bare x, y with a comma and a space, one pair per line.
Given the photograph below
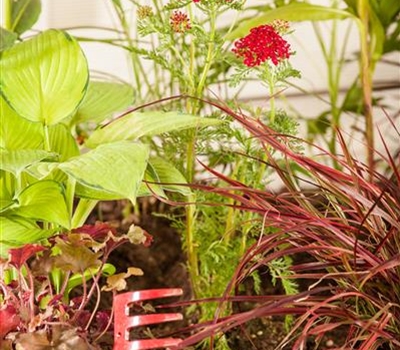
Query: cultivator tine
123, 322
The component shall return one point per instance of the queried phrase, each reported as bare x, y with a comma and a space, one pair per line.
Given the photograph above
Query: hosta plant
50, 182
57, 162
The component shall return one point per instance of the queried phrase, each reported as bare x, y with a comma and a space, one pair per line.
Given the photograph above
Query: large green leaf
295, 12
169, 176
44, 201
5, 184
17, 132
24, 14
113, 170
5, 204
386, 10
6, 199
150, 188
86, 192
43, 170
62, 142
44, 78
7, 39
377, 32
16, 232
135, 125
16, 161
102, 100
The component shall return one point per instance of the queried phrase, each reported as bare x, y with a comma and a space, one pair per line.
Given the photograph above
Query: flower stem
46, 140
6, 17
366, 80
191, 155
209, 57
271, 102
82, 211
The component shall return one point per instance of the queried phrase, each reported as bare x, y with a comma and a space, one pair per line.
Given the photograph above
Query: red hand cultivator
124, 323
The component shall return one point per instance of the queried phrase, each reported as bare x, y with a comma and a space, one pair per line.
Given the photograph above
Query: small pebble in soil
260, 333
330, 343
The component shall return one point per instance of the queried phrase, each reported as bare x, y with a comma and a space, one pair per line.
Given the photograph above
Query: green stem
184, 66
6, 10
366, 80
333, 91
191, 246
56, 276
210, 55
230, 226
70, 195
82, 212
191, 155
18, 182
272, 113
47, 146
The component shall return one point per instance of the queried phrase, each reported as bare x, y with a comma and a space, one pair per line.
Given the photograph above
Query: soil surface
164, 266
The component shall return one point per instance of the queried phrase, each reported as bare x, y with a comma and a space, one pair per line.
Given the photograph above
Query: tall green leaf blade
102, 100
17, 132
387, 11
16, 161
44, 201
24, 14
295, 12
117, 169
135, 125
44, 79
377, 32
16, 232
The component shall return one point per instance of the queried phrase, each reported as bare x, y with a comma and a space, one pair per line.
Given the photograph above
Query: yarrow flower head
281, 26
262, 44
144, 12
180, 22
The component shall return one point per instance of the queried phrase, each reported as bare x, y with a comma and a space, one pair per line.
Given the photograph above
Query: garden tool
123, 322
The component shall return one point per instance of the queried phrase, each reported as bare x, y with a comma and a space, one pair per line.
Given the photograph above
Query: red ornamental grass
262, 44
344, 234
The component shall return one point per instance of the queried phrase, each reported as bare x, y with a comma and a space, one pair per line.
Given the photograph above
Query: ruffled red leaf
19, 256
98, 231
9, 320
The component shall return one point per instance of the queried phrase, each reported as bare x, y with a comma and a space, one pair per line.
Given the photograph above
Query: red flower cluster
180, 22
263, 43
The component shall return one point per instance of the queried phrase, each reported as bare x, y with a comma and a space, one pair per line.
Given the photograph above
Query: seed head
180, 22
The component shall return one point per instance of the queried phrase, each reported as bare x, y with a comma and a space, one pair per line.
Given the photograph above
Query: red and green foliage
50, 295
342, 226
